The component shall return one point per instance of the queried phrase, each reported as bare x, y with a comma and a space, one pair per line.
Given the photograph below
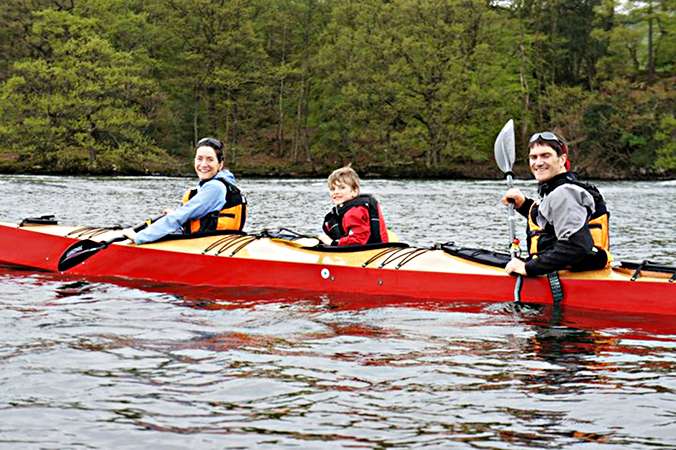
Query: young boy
356, 219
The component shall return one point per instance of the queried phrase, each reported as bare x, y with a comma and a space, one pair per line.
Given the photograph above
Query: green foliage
614, 129
400, 86
666, 139
418, 81
85, 106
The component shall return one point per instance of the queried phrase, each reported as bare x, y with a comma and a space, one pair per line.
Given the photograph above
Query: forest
397, 88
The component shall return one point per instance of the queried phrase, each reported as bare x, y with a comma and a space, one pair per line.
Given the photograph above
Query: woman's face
206, 163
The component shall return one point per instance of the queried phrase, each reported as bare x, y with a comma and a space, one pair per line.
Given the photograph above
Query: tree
83, 106
417, 80
219, 68
16, 23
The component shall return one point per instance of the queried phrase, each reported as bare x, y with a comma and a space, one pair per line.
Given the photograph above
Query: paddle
504, 157
82, 250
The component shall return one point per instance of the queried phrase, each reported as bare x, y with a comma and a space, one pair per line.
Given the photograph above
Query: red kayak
441, 274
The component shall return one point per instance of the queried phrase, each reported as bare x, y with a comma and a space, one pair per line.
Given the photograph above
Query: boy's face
341, 193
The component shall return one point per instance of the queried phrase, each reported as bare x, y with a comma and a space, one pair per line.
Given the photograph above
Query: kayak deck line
221, 245
238, 260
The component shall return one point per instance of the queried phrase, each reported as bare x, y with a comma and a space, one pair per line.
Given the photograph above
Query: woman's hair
213, 143
345, 175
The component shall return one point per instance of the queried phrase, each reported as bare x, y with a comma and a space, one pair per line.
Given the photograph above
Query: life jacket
333, 222
231, 217
540, 238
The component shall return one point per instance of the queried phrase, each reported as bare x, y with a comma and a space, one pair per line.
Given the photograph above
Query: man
568, 229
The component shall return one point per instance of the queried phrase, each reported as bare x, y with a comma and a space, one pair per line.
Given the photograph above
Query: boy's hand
324, 239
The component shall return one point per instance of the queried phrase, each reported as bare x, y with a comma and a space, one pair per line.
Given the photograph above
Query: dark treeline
298, 87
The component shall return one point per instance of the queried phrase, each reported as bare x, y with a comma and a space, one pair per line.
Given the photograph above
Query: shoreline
365, 173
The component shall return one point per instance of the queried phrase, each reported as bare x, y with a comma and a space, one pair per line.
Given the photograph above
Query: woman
215, 204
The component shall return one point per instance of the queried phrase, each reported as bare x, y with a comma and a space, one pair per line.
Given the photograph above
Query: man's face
545, 163
340, 193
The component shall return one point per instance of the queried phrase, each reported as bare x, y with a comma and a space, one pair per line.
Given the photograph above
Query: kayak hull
249, 262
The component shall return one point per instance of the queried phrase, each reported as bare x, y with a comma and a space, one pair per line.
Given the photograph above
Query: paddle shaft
511, 218
136, 229
513, 250
504, 148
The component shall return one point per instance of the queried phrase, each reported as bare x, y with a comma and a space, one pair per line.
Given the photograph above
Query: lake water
121, 365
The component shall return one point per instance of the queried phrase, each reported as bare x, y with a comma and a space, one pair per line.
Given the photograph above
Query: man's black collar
548, 186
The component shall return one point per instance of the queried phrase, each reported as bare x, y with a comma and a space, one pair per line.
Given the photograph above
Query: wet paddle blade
504, 147
78, 252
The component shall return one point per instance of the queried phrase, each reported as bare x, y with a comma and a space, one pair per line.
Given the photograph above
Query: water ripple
138, 365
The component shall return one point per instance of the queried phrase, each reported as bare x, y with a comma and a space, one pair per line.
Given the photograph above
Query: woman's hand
515, 196
129, 233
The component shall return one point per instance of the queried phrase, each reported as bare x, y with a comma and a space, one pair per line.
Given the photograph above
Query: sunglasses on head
545, 136
210, 142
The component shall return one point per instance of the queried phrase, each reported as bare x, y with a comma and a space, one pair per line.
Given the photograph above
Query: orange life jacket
231, 217
598, 222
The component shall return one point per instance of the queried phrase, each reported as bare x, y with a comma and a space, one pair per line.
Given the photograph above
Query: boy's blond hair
345, 175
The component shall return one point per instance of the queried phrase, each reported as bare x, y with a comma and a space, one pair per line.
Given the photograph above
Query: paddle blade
82, 250
78, 252
504, 147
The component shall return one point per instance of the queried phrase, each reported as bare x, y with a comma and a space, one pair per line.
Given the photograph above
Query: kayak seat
479, 255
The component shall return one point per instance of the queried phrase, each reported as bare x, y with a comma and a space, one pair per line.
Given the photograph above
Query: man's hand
516, 267
515, 196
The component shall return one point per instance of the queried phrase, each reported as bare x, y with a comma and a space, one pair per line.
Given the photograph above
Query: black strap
555, 287
647, 265
639, 268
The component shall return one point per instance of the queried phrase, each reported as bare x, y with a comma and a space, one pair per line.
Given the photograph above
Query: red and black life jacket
333, 222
